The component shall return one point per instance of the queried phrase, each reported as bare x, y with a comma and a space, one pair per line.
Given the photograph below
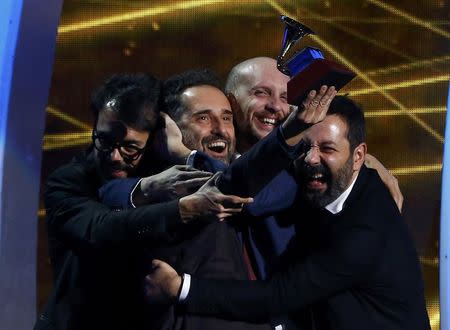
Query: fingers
316, 104
190, 186
195, 175
195, 182
236, 199
212, 181
230, 203
189, 172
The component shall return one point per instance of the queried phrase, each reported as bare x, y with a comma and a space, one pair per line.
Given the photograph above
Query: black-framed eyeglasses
105, 144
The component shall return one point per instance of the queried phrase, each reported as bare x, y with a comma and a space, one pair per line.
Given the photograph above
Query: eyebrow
207, 111
327, 142
202, 112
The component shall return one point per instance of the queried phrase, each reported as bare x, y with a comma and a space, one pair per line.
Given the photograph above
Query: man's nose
313, 156
218, 127
115, 155
275, 104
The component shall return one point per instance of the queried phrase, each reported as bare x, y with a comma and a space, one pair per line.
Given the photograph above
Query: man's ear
359, 155
236, 108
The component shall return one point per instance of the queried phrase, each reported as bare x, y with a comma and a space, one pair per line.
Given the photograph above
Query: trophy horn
293, 32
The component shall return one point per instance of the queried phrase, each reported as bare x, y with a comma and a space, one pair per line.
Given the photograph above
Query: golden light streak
357, 34
366, 78
66, 140
413, 19
67, 118
419, 169
433, 313
429, 261
41, 213
67, 136
402, 84
416, 111
407, 66
65, 144
374, 20
137, 14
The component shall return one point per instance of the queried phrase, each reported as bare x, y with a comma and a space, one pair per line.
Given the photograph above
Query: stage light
363, 76
408, 66
413, 19
419, 169
401, 84
137, 14
416, 111
66, 140
67, 118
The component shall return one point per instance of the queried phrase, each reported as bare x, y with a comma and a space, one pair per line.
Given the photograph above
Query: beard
107, 167
191, 142
336, 184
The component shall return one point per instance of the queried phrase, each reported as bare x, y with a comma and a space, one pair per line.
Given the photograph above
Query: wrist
139, 195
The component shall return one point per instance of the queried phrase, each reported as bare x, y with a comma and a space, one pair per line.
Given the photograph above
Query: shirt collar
337, 205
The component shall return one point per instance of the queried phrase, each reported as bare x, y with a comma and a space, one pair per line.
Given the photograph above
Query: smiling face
207, 122
261, 93
329, 166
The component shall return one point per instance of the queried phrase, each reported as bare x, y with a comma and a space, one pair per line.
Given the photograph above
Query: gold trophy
307, 68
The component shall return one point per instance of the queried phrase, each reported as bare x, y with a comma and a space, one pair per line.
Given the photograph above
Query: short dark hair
133, 96
177, 84
353, 115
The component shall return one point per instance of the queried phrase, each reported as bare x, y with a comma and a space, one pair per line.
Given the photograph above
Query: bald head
246, 72
260, 91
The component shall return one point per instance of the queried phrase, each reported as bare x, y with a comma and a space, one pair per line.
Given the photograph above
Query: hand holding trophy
307, 68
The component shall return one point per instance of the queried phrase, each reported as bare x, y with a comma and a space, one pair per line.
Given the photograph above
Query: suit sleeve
346, 262
74, 214
247, 175
117, 193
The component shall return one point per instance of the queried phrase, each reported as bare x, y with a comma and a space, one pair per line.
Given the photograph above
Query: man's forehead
270, 77
331, 129
204, 98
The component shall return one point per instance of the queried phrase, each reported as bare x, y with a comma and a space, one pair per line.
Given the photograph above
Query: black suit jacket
354, 270
96, 252
101, 255
214, 251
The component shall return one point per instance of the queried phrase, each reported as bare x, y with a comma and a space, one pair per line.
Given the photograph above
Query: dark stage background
399, 48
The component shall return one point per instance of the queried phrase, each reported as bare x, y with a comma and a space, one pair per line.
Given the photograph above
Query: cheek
253, 107
230, 130
197, 132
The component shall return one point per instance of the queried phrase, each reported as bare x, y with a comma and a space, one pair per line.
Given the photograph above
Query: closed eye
327, 149
261, 92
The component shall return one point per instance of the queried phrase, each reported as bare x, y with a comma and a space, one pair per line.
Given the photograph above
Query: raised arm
75, 215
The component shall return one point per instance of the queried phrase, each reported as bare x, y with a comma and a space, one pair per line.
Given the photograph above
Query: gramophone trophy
307, 68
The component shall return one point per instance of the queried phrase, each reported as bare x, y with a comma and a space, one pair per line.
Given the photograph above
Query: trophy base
320, 72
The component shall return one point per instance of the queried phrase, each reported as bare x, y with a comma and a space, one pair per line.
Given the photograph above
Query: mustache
307, 171
118, 166
212, 138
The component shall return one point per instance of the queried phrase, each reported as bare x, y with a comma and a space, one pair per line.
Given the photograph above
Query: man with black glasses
95, 250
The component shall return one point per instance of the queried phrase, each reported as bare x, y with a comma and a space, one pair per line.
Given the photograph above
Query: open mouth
217, 146
266, 122
317, 181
